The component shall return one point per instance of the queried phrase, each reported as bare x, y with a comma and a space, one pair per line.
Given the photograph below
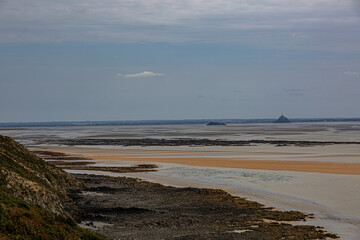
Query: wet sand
112, 156
316, 179
333, 207
325, 131
326, 189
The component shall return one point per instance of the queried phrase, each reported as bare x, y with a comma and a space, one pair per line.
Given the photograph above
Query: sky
94, 60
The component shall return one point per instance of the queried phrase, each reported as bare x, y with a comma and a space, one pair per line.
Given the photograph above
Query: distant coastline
167, 122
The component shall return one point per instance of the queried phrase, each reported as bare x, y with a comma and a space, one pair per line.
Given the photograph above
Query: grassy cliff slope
33, 197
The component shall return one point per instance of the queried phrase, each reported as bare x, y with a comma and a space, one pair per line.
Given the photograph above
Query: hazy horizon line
182, 120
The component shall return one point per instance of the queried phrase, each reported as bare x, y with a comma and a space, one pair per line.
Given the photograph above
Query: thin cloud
352, 73
141, 75
299, 36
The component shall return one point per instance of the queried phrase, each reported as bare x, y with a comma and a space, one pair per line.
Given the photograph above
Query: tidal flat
313, 178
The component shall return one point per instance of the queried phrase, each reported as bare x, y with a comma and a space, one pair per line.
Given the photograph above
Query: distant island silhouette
282, 119
215, 123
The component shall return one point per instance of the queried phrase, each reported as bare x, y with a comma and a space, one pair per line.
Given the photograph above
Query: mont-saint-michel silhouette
282, 119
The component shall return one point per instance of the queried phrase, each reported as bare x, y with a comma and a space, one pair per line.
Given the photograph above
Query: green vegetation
20, 220
33, 197
17, 159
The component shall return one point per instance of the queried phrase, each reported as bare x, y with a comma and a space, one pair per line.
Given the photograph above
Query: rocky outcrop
134, 209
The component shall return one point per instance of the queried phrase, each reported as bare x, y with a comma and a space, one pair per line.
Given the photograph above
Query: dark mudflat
65, 161
186, 142
134, 209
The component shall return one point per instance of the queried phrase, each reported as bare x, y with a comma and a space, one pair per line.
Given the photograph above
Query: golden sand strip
300, 166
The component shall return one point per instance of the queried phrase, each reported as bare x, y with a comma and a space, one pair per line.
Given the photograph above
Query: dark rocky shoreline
128, 208
186, 142
65, 161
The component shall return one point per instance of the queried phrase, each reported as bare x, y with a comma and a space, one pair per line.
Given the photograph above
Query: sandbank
112, 156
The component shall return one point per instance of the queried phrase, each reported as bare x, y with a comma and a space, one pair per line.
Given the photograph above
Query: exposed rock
65, 161
129, 208
186, 142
